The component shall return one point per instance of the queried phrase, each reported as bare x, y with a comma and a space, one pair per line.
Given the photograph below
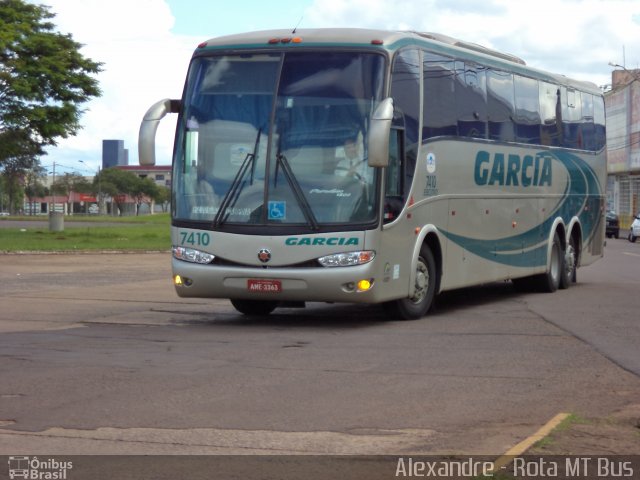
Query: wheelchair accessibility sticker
277, 210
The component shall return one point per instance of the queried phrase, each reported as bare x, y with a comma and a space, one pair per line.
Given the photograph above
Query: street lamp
635, 76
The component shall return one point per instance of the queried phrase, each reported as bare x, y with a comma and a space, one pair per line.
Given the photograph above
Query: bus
377, 167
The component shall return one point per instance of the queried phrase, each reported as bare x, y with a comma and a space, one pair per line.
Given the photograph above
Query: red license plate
264, 286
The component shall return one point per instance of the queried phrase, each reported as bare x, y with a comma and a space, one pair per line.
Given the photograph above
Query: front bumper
337, 284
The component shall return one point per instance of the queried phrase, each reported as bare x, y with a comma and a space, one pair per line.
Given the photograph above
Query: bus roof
390, 40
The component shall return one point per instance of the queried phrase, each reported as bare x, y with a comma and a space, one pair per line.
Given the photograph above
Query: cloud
143, 63
576, 38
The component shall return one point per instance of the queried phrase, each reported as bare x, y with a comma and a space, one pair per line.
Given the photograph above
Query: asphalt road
98, 355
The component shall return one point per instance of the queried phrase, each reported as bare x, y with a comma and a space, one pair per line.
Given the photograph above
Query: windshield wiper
237, 185
282, 161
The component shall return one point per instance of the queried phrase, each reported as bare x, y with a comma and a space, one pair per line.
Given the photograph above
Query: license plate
264, 286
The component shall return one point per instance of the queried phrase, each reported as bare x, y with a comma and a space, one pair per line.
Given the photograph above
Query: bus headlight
191, 255
347, 259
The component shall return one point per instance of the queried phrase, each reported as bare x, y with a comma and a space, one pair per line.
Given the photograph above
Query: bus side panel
398, 240
504, 202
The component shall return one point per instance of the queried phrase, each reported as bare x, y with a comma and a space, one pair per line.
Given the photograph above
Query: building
622, 105
114, 154
161, 174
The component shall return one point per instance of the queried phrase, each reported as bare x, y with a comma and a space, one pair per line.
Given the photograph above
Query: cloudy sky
145, 46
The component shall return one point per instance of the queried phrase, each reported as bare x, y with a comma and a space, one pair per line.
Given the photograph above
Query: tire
569, 265
426, 279
631, 238
254, 307
550, 281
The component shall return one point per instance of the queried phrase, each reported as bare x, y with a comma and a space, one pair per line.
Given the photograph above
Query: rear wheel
419, 304
570, 264
550, 281
254, 307
631, 238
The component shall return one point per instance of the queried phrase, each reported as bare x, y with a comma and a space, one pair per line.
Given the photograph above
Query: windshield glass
277, 139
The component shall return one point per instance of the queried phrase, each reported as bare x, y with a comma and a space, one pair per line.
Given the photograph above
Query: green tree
44, 80
164, 197
33, 186
144, 190
71, 182
118, 183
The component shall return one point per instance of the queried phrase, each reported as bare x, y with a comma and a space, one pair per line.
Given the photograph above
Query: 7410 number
195, 238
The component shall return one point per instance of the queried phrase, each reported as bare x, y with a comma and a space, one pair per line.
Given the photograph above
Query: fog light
180, 281
364, 285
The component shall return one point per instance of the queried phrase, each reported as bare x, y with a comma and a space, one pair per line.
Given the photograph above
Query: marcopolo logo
38, 469
512, 170
308, 241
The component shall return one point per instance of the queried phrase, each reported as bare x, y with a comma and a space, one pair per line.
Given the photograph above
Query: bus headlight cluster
192, 255
347, 259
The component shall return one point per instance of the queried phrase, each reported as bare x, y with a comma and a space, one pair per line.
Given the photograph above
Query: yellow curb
524, 445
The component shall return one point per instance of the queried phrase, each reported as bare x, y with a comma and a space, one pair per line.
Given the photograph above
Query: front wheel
418, 305
255, 307
631, 238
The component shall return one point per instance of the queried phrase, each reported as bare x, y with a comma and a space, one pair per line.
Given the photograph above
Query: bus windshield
277, 138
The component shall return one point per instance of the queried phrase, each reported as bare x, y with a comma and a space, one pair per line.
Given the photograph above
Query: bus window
571, 118
527, 118
471, 100
549, 111
405, 90
439, 115
394, 198
599, 122
587, 127
500, 106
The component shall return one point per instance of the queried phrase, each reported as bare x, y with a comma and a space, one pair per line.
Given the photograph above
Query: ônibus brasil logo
38, 469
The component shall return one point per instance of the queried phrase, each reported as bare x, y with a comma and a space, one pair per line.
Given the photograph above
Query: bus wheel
570, 265
550, 281
254, 307
418, 305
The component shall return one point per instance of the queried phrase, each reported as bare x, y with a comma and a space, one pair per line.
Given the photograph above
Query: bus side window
394, 199
501, 104
405, 90
527, 118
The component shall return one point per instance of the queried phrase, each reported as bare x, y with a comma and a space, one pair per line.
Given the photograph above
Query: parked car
634, 231
613, 225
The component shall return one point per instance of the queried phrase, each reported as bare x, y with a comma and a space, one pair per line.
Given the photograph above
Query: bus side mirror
378, 146
149, 126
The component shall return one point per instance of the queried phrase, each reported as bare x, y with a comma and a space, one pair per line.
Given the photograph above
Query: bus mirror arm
149, 126
378, 143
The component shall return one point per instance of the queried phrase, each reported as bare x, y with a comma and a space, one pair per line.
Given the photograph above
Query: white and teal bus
366, 166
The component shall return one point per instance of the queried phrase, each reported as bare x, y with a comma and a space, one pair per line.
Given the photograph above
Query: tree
44, 80
164, 197
144, 190
33, 187
71, 182
118, 183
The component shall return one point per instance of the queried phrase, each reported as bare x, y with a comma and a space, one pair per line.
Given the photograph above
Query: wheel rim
422, 282
555, 263
570, 260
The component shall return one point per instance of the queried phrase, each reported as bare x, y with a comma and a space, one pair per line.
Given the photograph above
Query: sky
145, 46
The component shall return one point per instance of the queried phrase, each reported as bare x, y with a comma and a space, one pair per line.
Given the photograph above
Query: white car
634, 231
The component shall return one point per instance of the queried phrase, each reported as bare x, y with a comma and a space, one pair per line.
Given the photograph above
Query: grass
562, 426
150, 232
